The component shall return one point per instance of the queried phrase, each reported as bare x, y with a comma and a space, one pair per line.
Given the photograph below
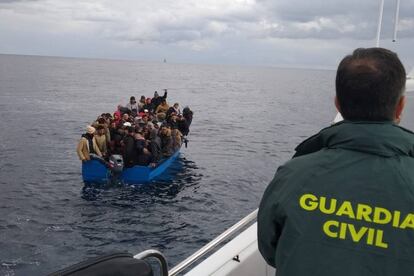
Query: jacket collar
379, 138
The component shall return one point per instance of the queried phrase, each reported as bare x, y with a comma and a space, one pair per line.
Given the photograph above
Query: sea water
247, 122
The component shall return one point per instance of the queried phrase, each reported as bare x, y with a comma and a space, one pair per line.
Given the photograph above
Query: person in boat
184, 121
141, 103
188, 115
173, 120
118, 113
103, 122
155, 145
157, 100
126, 119
167, 148
173, 109
101, 142
132, 106
182, 125
344, 204
87, 145
177, 138
129, 147
144, 157
148, 105
117, 135
161, 110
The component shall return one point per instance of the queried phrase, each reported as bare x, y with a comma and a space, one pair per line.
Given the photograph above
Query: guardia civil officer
344, 205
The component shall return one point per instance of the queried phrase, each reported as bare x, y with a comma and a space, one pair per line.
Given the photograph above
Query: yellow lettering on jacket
308, 202
324, 209
396, 219
341, 230
408, 222
358, 211
357, 235
382, 215
346, 209
327, 228
363, 212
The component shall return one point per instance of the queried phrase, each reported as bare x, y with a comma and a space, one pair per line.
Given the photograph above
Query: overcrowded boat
135, 144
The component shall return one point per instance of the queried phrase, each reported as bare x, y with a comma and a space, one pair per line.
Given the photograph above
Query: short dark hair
131, 129
369, 84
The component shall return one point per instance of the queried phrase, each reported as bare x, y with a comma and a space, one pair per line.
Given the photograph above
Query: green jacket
344, 205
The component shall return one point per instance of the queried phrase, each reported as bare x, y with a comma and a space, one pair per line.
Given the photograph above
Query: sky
293, 33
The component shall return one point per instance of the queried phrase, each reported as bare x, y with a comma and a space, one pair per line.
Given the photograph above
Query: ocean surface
247, 122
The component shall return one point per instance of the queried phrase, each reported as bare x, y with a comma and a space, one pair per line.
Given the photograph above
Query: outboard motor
116, 163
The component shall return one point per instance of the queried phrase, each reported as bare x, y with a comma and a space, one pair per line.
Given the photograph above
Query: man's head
369, 85
131, 130
165, 130
100, 130
132, 100
125, 117
90, 130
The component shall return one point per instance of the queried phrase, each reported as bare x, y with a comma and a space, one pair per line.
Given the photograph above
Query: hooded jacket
344, 205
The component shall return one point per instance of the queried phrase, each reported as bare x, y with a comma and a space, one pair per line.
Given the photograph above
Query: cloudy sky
310, 33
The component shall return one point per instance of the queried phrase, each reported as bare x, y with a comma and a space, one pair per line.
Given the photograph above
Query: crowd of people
143, 132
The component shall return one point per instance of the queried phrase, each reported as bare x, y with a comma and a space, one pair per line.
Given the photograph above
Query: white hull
239, 257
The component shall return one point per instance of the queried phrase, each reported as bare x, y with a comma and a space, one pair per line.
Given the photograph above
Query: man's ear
399, 109
338, 107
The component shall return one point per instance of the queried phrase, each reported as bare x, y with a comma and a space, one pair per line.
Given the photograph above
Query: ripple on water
246, 122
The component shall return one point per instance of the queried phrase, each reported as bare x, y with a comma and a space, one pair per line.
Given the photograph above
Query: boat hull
96, 171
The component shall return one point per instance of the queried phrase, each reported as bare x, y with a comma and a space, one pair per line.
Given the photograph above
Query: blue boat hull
95, 171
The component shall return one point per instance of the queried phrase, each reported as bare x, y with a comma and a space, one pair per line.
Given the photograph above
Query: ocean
247, 122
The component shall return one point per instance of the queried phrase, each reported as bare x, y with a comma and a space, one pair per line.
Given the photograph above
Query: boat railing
236, 228
151, 253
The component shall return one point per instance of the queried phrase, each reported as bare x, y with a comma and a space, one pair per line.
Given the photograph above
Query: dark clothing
344, 205
112, 132
149, 107
155, 148
144, 159
169, 112
155, 102
188, 115
89, 137
140, 145
130, 153
116, 147
183, 126
173, 124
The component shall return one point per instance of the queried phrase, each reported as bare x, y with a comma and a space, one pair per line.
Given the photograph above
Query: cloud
12, 1
185, 20
202, 26
332, 19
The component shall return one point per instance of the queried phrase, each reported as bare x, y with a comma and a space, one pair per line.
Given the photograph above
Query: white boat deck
239, 257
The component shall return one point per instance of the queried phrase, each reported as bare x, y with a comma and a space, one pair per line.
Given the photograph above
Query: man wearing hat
87, 145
